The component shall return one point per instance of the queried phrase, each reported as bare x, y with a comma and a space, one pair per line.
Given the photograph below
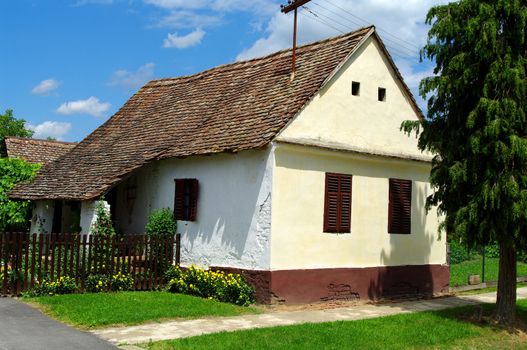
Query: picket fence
27, 259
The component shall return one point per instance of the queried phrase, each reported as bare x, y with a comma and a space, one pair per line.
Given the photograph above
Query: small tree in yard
477, 128
161, 224
104, 232
103, 225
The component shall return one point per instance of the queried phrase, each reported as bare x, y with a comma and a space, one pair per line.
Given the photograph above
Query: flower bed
229, 288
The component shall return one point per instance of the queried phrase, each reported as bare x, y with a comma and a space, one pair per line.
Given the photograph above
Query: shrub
103, 225
64, 285
161, 222
234, 289
492, 251
460, 253
121, 282
97, 283
230, 288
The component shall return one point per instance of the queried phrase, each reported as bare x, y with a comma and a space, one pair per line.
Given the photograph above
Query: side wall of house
234, 206
309, 264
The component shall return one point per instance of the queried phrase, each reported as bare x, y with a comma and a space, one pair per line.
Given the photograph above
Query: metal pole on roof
293, 5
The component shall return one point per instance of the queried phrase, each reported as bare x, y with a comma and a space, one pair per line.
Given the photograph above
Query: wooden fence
27, 259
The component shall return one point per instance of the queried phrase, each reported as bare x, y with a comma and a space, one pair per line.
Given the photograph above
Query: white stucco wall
234, 206
42, 217
89, 215
298, 240
337, 119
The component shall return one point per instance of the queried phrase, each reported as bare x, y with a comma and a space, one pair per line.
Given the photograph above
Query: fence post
178, 248
3, 269
483, 265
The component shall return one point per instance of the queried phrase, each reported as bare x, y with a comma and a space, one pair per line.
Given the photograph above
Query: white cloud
178, 4
188, 19
133, 80
50, 129
91, 106
186, 14
45, 87
180, 42
263, 7
402, 27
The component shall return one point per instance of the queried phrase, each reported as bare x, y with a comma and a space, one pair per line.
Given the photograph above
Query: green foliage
96, 283
104, 232
10, 126
64, 285
230, 288
14, 214
460, 253
477, 126
103, 225
161, 222
121, 282
477, 121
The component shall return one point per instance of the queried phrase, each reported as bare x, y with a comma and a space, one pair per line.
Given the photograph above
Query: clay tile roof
34, 150
229, 108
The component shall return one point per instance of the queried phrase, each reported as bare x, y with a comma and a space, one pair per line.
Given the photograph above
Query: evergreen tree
477, 128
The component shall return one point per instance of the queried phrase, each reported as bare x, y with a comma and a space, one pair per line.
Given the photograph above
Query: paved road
188, 328
25, 328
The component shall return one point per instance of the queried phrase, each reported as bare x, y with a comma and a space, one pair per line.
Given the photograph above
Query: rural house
34, 150
304, 183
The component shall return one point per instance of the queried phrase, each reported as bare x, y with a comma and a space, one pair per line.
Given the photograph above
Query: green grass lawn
459, 272
445, 329
128, 308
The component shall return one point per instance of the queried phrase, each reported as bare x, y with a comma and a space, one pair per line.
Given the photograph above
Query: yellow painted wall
298, 240
335, 117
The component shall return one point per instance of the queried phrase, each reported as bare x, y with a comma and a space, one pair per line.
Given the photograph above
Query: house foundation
369, 283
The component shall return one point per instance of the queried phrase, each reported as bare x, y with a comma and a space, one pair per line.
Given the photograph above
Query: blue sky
68, 65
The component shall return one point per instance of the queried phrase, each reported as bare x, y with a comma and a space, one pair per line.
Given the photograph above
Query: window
355, 88
337, 203
400, 206
186, 199
382, 94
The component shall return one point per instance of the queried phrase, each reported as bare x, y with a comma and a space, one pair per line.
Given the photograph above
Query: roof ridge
39, 140
239, 64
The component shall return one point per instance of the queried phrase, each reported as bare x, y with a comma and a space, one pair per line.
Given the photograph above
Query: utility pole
293, 5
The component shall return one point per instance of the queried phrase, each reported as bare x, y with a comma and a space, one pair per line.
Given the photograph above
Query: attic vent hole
382, 94
355, 88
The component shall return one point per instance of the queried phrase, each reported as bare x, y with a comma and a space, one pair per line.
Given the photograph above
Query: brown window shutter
345, 193
337, 203
194, 190
179, 200
400, 206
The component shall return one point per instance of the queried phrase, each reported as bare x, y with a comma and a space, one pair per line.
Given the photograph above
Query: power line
317, 16
368, 22
410, 47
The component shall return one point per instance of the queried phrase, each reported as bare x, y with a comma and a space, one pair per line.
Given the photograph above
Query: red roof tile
34, 150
